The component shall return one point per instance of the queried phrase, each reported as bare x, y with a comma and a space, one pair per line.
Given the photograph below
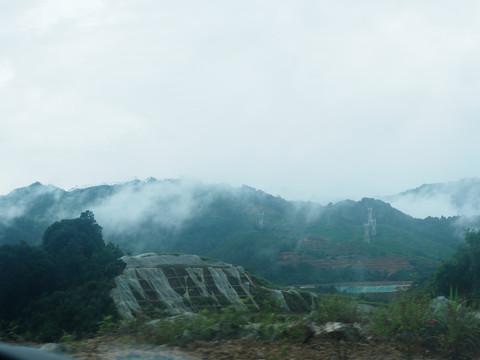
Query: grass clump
336, 308
457, 329
188, 327
417, 322
406, 321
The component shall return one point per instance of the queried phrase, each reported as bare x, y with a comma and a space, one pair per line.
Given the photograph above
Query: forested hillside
287, 242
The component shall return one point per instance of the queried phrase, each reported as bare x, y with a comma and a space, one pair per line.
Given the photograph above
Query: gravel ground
115, 351
317, 348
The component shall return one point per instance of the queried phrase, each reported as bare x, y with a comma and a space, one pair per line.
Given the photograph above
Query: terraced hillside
188, 283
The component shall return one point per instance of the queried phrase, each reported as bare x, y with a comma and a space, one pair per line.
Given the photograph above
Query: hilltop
454, 198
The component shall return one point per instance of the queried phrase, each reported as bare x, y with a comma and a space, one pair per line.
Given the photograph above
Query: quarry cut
176, 284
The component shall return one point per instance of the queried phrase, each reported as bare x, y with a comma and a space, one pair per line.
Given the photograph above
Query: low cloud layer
166, 204
321, 100
459, 198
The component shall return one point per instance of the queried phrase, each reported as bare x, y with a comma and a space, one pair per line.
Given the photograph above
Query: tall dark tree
462, 272
78, 251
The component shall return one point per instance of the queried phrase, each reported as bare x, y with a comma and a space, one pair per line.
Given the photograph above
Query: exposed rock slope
188, 283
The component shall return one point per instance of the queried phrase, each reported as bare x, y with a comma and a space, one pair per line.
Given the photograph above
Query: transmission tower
370, 226
366, 226
260, 216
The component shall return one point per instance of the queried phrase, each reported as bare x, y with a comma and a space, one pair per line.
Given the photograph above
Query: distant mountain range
286, 242
460, 197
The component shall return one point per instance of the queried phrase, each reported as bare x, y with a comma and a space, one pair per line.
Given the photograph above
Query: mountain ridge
461, 197
242, 225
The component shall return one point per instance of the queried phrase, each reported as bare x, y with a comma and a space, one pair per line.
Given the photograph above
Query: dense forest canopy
461, 273
61, 285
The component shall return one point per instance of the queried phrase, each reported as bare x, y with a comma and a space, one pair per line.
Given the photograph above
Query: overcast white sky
317, 100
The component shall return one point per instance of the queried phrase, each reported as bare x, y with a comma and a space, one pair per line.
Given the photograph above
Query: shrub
336, 308
413, 322
406, 320
458, 331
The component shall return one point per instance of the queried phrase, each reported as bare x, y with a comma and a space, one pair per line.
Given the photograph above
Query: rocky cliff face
188, 283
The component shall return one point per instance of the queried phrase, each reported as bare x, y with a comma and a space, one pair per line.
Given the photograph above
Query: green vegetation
413, 323
416, 322
337, 308
59, 291
462, 272
285, 242
61, 285
291, 243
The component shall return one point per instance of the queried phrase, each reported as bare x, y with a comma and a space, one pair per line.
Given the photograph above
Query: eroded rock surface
188, 283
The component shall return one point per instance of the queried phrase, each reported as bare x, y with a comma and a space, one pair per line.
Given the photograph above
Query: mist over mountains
287, 242
457, 198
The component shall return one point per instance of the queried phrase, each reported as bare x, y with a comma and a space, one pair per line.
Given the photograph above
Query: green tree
25, 274
462, 272
84, 269
62, 285
79, 252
